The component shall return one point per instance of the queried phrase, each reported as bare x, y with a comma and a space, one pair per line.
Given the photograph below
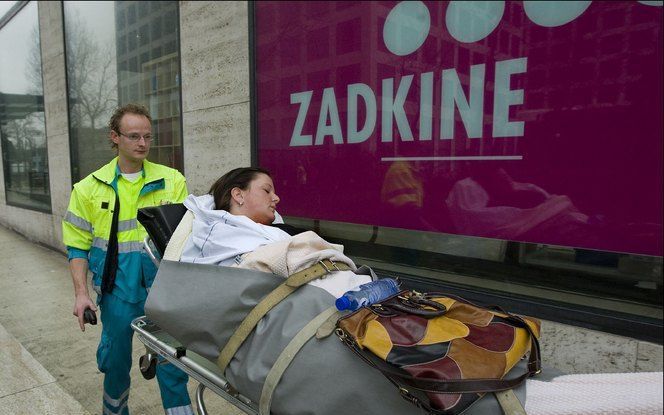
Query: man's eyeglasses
135, 137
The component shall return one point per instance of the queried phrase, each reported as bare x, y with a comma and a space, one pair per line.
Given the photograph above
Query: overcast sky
16, 41
16, 37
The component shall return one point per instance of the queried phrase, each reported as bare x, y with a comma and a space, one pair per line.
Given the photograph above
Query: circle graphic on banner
554, 13
407, 27
470, 21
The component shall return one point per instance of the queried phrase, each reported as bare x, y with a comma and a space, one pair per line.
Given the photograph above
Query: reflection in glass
117, 53
22, 123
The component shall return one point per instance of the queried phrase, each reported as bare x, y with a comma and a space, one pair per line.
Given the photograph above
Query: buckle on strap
332, 264
322, 262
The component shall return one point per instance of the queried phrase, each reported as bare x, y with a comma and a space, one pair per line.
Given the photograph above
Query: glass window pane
128, 63
566, 211
22, 123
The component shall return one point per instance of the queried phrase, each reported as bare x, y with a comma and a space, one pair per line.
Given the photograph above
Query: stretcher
313, 373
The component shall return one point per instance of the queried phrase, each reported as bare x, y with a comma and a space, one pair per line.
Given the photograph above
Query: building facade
216, 77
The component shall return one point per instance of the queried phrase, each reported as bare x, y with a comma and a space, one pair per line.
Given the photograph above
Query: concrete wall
216, 133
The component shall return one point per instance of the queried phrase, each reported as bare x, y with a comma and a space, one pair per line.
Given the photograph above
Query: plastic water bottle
367, 294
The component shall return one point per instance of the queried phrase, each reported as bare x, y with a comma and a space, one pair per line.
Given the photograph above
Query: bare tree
21, 132
91, 75
19, 146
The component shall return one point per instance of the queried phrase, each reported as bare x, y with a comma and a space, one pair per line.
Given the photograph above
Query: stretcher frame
160, 222
161, 348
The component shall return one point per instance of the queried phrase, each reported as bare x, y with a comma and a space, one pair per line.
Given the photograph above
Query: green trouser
114, 360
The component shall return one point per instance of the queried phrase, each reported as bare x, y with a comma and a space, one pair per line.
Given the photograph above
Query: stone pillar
55, 106
214, 46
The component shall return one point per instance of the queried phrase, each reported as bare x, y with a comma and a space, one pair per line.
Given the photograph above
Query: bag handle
408, 303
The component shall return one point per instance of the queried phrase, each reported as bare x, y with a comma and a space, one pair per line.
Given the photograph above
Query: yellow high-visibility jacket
86, 226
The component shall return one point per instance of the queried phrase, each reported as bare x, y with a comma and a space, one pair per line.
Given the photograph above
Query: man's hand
79, 269
83, 302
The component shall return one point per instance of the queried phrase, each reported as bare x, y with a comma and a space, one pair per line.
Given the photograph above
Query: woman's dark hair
240, 177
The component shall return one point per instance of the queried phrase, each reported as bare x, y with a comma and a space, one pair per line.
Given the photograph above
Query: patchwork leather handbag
442, 352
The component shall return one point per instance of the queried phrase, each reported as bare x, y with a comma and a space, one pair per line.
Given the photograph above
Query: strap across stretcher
291, 284
288, 354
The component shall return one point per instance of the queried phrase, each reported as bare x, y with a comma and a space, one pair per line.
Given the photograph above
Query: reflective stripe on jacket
87, 224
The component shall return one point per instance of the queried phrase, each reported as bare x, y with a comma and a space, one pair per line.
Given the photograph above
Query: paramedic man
134, 182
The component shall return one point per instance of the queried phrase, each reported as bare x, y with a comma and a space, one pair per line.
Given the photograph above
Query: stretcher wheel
148, 365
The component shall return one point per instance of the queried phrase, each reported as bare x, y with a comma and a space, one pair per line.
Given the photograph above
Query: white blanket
287, 257
597, 394
219, 237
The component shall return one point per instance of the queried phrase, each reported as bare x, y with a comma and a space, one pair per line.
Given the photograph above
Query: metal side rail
158, 341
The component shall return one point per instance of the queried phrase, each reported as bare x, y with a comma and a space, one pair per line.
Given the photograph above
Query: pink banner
508, 120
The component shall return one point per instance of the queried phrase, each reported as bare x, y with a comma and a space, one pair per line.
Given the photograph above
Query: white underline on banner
452, 158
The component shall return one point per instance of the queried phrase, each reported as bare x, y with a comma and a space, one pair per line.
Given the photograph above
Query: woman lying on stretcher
234, 225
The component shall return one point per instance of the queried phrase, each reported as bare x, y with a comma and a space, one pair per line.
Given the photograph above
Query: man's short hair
114, 122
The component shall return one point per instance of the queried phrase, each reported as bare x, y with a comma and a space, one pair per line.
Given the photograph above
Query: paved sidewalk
26, 387
47, 365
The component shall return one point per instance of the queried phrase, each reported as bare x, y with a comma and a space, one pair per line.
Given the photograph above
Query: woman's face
259, 201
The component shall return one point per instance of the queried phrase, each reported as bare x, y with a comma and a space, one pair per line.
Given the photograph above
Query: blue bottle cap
342, 303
